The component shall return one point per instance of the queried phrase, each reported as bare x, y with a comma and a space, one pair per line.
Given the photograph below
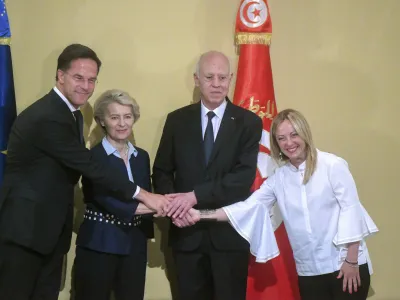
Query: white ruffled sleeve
354, 222
251, 219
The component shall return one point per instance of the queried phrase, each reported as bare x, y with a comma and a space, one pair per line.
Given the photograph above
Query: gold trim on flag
4, 152
5, 41
243, 38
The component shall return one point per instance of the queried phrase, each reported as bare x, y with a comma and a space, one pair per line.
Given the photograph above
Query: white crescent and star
253, 13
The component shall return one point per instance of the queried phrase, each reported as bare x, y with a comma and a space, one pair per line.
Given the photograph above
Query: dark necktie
79, 124
209, 137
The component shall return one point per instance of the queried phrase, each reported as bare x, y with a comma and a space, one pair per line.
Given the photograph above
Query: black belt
110, 219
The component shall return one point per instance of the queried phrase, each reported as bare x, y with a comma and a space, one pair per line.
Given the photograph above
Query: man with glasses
46, 157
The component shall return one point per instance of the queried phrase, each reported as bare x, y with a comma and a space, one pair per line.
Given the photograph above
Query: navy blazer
116, 235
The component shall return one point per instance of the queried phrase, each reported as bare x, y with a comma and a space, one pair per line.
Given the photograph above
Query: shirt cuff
354, 225
252, 221
136, 192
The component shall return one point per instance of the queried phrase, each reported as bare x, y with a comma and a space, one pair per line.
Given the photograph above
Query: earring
280, 155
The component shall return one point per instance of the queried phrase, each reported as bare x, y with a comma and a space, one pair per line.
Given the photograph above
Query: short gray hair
114, 96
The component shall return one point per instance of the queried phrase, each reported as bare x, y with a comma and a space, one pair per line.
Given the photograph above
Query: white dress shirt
216, 121
70, 106
320, 217
72, 109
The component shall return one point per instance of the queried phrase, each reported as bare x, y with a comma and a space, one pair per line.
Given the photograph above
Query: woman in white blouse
323, 216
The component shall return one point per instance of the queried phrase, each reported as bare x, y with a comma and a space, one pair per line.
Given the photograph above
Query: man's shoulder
248, 116
183, 115
42, 106
34, 113
185, 110
243, 111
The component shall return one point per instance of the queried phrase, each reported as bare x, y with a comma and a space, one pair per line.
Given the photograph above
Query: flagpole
276, 279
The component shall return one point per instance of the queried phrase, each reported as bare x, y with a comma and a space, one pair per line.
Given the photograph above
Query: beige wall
333, 60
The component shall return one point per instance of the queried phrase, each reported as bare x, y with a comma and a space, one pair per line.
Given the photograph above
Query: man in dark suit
207, 156
46, 157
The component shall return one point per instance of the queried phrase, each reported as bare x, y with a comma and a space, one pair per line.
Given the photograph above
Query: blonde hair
114, 96
302, 128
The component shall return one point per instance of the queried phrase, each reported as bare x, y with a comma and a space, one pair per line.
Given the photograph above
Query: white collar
301, 167
110, 149
70, 106
219, 111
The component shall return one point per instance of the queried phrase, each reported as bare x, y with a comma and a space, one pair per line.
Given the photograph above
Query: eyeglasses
81, 80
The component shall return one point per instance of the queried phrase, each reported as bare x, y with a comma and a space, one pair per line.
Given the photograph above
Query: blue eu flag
7, 94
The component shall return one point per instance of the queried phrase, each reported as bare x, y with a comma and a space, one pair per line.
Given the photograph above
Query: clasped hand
179, 207
158, 203
191, 218
180, 204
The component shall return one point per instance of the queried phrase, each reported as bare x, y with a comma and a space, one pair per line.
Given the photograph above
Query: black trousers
28, 275
328, 287
98, 274
209, 274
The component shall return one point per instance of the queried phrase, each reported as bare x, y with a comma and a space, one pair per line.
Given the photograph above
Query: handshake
179, 207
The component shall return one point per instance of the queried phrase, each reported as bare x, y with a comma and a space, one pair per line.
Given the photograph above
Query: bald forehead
214, 57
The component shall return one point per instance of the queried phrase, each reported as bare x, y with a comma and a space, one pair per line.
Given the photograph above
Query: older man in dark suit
46, 157
207, 156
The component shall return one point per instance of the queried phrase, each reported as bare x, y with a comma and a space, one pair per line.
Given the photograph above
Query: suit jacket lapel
226, 130
64, 110
62, 106
195, 134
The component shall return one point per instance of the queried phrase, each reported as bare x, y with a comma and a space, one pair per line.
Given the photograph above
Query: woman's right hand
191, 218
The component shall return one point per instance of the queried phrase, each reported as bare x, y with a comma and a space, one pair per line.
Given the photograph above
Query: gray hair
114, 96
204, 56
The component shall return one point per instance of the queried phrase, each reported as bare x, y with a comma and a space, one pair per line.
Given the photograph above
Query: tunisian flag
277, 278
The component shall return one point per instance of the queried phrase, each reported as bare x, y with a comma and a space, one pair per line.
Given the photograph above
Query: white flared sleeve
354, 223
251, 219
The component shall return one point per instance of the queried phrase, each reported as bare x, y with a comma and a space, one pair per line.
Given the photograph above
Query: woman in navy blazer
111, 252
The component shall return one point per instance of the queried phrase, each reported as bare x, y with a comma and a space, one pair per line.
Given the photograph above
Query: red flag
276, 279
